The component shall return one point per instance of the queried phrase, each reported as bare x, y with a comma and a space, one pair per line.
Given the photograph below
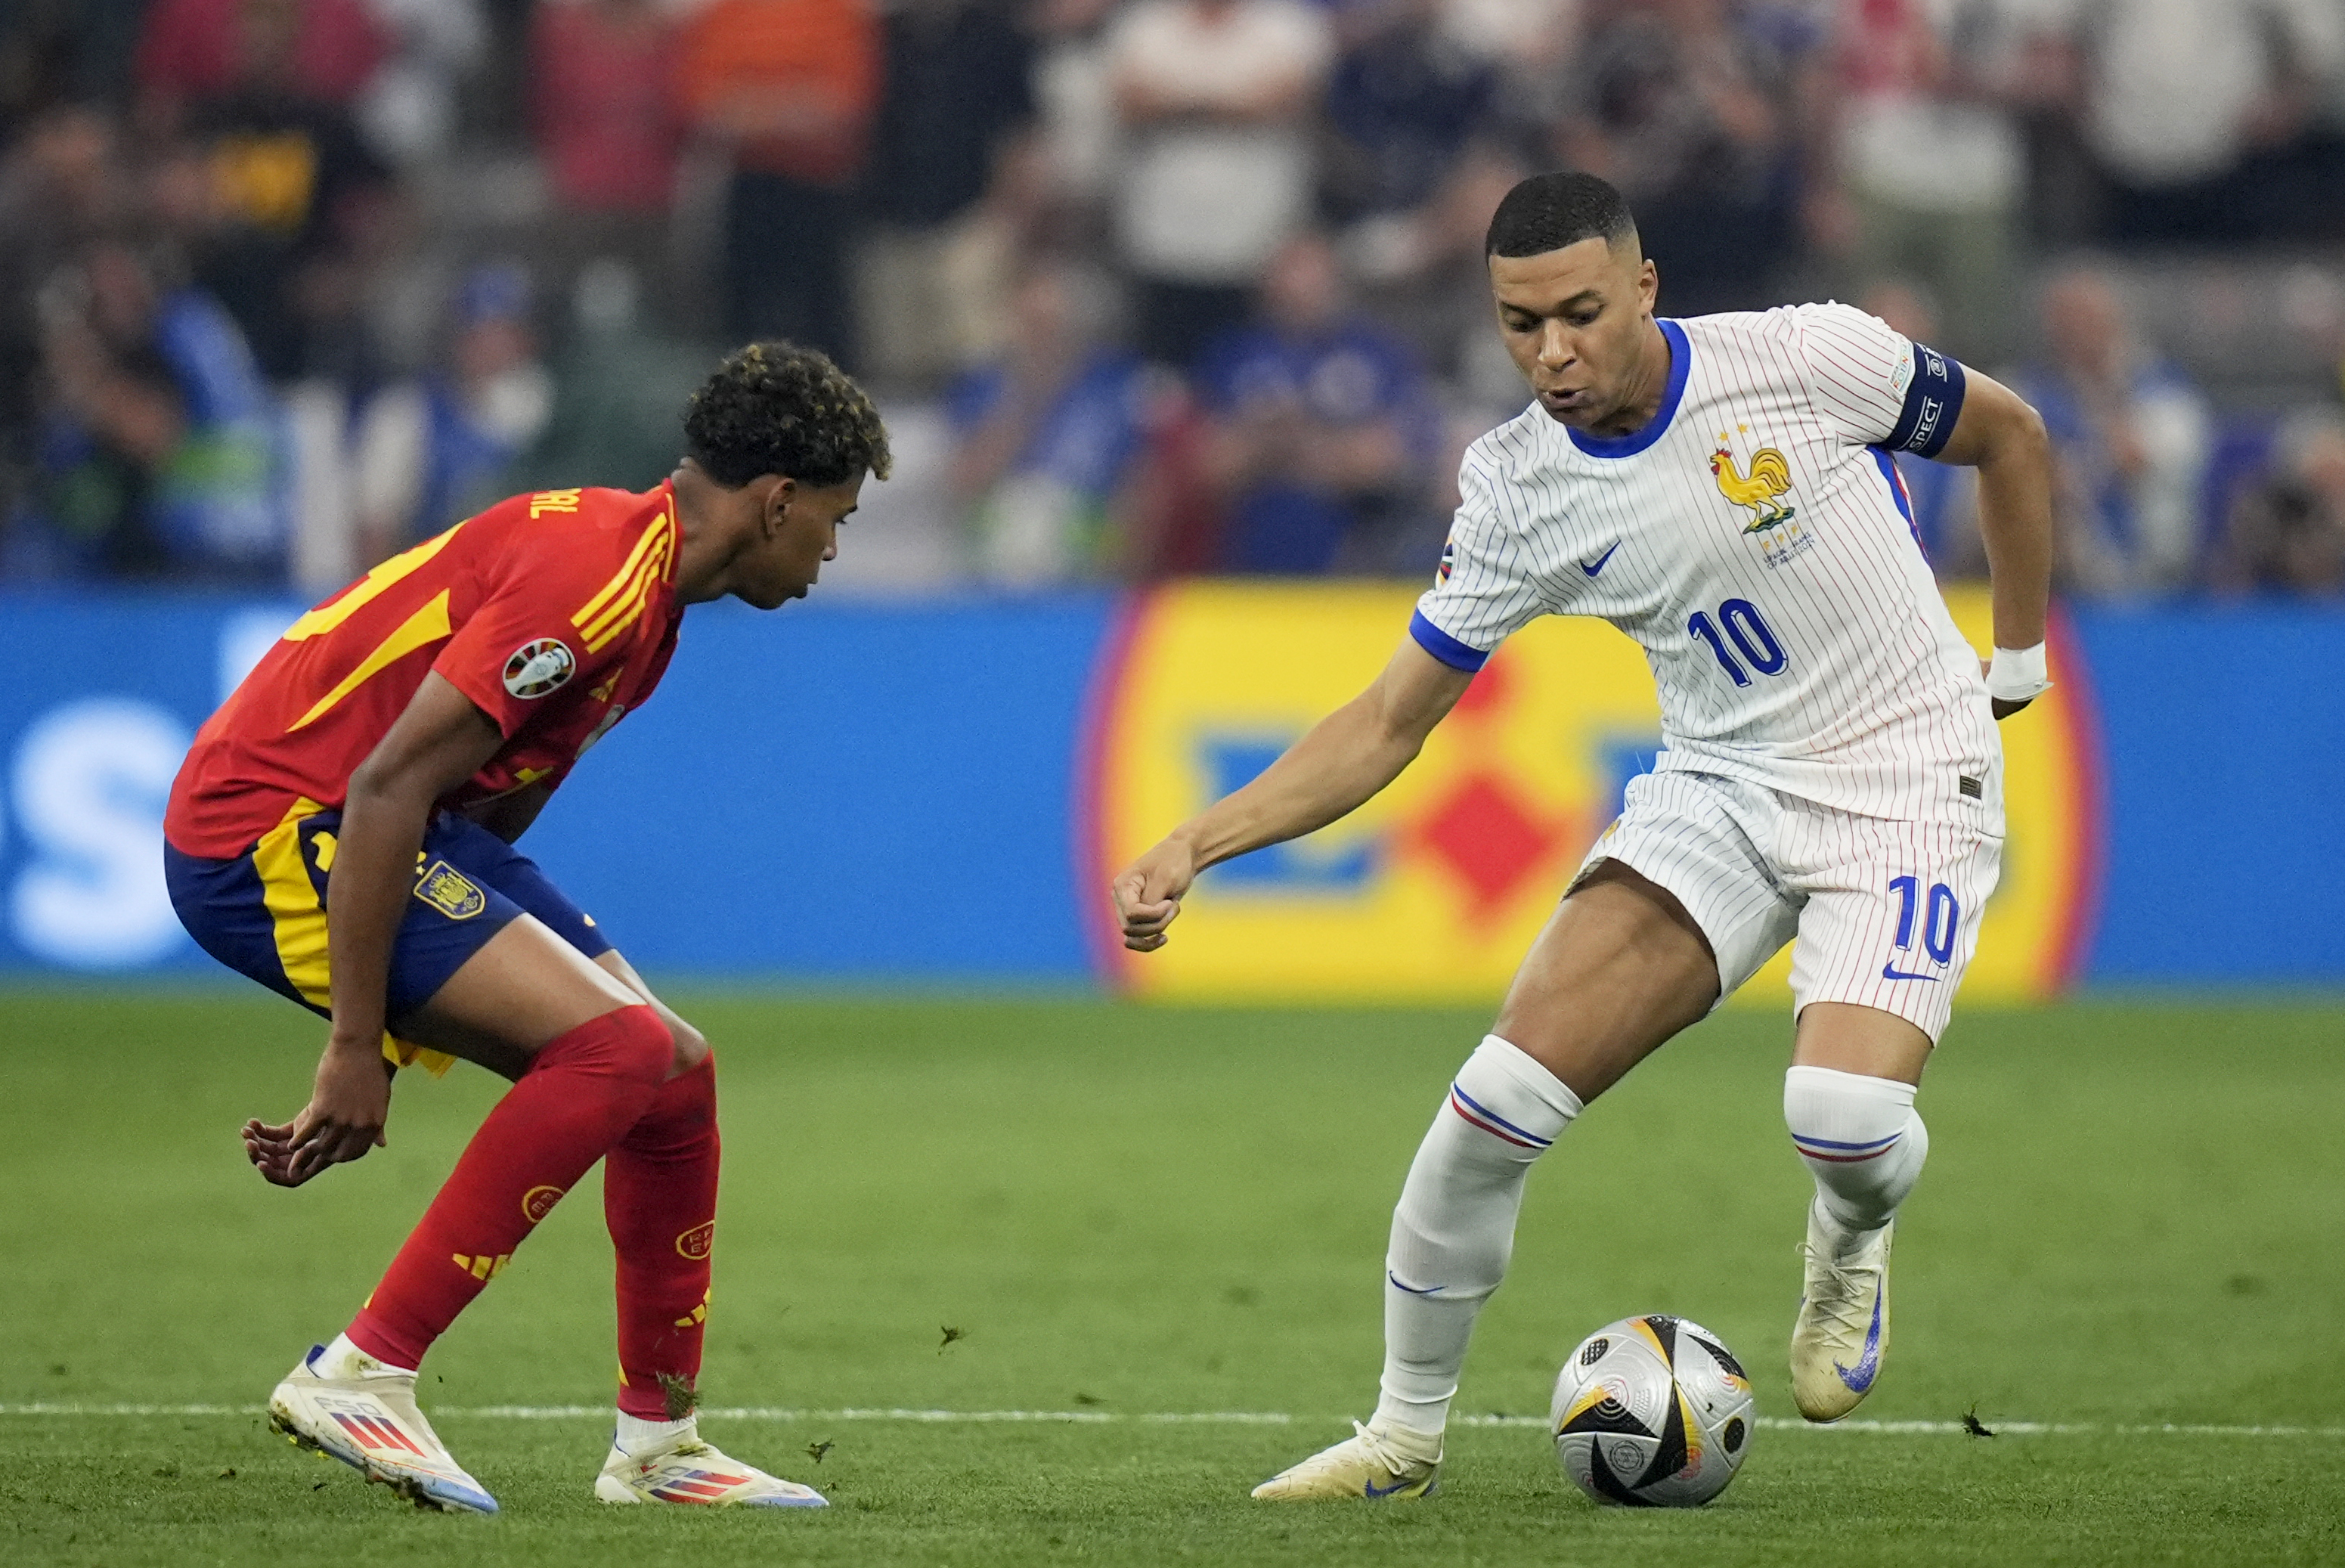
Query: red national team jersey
555, 613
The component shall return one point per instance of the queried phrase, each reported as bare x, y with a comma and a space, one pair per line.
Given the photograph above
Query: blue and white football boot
1376, 1464
1842, 1333
343, 1404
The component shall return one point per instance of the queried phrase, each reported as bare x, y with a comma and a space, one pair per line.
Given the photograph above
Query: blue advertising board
869, 793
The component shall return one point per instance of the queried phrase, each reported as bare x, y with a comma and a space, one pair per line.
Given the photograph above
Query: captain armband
1934, 400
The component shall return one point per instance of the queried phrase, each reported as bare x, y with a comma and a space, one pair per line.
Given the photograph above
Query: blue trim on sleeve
1896, 482
1444, 646
1653, 430
1932, 403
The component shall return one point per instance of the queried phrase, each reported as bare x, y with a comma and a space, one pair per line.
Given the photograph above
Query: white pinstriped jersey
1754, 538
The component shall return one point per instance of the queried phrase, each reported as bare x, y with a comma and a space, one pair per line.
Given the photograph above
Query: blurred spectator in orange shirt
197, 49
788, 87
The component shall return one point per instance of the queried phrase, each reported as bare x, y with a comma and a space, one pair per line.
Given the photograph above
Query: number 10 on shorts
1940, 916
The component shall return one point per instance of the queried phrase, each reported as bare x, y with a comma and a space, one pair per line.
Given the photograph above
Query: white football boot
1372, 1463
1842, 1333
352, 1408
686, 1469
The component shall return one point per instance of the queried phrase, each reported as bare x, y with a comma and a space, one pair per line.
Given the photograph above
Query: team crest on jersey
1449, 560
1759, 489
451, 892
539, 667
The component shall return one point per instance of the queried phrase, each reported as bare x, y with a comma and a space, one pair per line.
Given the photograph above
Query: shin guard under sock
1454, 1227
1859, 1137
582, 1092
659, 1197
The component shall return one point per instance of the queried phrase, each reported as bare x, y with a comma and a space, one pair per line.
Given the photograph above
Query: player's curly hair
776, 408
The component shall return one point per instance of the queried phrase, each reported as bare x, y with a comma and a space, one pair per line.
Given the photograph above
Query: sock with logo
1454, 1227
659, 1198
1862, 1140
581, 1094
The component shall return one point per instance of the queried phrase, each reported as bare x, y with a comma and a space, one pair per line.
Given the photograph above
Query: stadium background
1175, 311
1150, 292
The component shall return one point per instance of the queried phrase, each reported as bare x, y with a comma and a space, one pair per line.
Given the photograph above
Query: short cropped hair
1550, 211
776, 408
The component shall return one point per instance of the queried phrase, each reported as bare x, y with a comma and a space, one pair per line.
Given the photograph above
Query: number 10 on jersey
1748, 630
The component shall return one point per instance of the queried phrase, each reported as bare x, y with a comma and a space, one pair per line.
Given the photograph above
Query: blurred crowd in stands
1145, 286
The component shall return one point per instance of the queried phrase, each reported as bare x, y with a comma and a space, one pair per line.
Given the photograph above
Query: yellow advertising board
1433, 891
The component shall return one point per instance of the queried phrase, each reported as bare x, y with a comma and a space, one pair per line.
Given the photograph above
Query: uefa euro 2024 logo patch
539, 667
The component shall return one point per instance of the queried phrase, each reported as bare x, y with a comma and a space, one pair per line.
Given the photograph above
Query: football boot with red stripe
354, 1408
690, 1472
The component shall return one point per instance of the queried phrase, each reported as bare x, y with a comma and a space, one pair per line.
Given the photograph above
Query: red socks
582, 1094
659, 1197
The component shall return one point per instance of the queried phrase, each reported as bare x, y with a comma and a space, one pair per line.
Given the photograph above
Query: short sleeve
1873, 385
1484, 591
522, 644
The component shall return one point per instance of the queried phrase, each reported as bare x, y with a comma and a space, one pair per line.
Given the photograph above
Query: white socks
637, 1437
342, 1360
1862, 1139
1454, 1229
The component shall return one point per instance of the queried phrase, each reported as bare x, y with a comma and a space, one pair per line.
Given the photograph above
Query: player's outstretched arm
2001, 436
441, 740
1346, 758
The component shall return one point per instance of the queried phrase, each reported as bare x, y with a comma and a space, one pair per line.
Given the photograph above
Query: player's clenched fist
1148, 895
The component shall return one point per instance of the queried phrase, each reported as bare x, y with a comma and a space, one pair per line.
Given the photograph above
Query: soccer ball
1651, 1412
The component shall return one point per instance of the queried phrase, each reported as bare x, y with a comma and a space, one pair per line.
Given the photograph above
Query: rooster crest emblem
1770, 477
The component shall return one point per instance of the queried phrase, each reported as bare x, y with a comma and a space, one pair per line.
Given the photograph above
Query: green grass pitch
2132, 1218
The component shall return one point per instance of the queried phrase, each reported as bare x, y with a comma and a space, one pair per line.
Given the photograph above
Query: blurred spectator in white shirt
408, 111
1074, 96
1216, 98
1929, 155
2130, 442
2287, 534
2174, 95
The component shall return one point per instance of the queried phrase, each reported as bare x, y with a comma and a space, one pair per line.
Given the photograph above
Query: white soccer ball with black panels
1651, 1412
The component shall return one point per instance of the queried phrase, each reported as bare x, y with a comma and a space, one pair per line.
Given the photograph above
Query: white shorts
1885, 911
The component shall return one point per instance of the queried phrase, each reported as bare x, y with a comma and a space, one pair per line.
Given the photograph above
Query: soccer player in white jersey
1722, 489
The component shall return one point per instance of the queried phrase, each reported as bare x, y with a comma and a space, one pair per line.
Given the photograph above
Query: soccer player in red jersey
342, 832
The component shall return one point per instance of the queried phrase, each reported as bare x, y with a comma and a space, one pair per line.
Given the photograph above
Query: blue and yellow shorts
263, 914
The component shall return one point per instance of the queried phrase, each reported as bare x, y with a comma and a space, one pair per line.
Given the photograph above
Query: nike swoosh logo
1411, 1289
1372, 1489
1607, 555
1859, 1376
1891, 971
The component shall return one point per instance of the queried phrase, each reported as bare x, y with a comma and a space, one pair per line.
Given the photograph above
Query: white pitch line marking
1193, 1418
